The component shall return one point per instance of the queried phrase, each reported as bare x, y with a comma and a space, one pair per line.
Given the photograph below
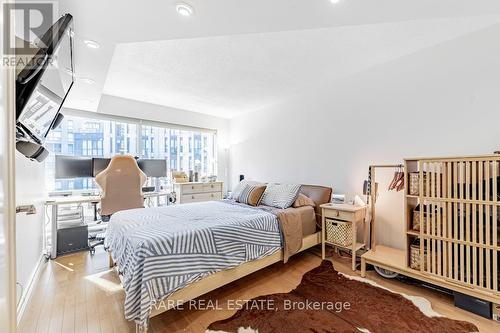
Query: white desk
55, 202
75, 199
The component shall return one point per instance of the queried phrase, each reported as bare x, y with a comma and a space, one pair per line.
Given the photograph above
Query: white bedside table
346, 214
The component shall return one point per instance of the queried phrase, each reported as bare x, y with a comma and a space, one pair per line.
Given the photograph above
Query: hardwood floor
78, 293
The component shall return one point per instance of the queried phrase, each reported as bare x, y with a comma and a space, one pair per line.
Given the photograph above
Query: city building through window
183, 149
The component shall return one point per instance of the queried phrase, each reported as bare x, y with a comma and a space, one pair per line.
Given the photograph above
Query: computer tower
72, 238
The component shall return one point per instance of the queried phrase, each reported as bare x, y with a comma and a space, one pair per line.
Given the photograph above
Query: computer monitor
99, 164
153, 168
73, 167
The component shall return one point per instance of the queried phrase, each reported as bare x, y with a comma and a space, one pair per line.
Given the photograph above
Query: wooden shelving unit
459, 234
413, 233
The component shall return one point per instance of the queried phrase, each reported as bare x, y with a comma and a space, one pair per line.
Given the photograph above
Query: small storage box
418, 222
338, 232
415, 257
420, 219
414, 183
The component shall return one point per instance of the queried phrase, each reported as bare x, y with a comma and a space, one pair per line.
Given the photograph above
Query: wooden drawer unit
199, 197
191, 188
201, 188
198, 192
212, 187
339, 223
339, 215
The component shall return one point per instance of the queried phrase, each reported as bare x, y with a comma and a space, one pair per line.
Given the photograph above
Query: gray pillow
280, 195
241, 186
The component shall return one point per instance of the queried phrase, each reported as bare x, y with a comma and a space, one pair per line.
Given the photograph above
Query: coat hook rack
372, 196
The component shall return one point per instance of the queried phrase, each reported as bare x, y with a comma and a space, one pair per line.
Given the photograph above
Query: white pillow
280, 195
241, 186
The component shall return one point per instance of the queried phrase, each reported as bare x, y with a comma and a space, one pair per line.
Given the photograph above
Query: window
56, 148
81, 136
56, 134
92, 147
92, 126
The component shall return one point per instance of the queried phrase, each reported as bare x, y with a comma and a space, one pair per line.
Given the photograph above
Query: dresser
198, 192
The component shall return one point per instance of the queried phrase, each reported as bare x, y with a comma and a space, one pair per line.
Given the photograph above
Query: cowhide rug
371, 309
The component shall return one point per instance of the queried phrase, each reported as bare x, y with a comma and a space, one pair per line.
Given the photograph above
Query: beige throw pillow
303, 200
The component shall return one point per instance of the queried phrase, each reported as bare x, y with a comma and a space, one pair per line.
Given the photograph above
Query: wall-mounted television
43, 85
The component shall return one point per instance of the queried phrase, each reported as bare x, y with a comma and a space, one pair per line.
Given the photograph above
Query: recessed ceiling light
184, 9
91, 44
334, 1
86, 80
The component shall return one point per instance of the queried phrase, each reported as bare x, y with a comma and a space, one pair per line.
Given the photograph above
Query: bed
176, 253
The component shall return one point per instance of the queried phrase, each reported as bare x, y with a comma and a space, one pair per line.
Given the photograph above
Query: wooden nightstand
344, 213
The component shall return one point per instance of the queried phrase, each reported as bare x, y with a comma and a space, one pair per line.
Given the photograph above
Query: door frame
7, 169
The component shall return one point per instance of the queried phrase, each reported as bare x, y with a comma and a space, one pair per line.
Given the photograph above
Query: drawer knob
192, 187
211, 186
338, 213
192, 197
212, 195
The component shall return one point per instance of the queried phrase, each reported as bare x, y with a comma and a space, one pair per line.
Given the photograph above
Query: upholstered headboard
319, 194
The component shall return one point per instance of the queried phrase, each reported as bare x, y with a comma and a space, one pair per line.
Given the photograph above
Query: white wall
444, 100
130, 108
30, 189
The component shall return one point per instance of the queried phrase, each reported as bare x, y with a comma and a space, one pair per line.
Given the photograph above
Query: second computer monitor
73, 167
153, 168
99, 164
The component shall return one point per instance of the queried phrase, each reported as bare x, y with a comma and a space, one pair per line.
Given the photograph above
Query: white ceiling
236, 56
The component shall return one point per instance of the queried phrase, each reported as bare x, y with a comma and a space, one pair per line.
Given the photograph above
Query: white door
7, 196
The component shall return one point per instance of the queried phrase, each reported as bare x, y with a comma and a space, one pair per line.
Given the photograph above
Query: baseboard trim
23, 301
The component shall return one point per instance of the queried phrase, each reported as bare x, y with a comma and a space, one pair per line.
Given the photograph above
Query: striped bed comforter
161, 250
